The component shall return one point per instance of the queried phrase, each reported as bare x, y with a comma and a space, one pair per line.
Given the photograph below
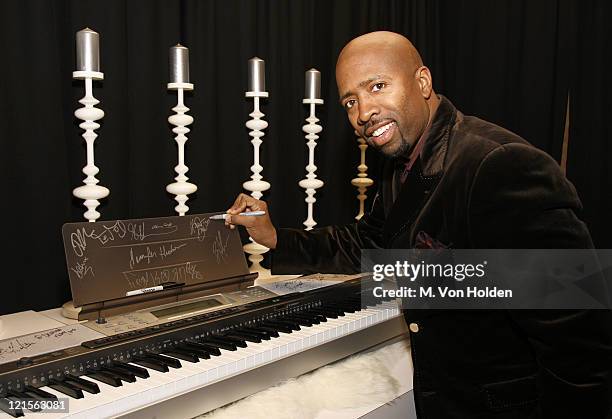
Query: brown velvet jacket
479, 186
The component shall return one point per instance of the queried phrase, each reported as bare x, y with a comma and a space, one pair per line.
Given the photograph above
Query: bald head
391, 45
386, 91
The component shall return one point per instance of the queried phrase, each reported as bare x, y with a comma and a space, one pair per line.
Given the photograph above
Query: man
457, 181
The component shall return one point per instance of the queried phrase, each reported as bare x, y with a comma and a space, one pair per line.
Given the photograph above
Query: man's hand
260, 227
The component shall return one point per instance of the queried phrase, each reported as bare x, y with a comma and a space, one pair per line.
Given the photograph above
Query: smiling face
385, 91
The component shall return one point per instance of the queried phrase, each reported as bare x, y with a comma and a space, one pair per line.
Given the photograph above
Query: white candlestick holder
181, 188
256, 185
311, 183
362, 181
91, 192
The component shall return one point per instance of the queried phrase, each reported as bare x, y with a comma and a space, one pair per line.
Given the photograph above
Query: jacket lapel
403, 205
412, 197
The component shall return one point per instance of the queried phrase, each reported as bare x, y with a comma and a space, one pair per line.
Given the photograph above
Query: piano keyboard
123, 387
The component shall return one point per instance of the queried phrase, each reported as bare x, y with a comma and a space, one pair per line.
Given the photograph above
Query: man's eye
377, 87
350, 103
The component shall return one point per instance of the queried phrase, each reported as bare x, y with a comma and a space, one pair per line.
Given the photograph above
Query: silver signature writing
199, 227
219, 247
81, 269
149, 278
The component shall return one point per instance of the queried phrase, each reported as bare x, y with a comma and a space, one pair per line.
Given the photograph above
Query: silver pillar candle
257, 75
179, 64
87, 50
313, 84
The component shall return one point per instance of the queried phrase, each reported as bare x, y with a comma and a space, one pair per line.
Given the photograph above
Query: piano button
137, 371
182, 354
151, 364
5, 406
44, 395
172, 362
83, 384
104, 377
221, 344
235, 340
123, 375
213, 350
249, 337
66, 388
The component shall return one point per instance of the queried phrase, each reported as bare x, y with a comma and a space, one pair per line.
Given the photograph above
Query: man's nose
367, 109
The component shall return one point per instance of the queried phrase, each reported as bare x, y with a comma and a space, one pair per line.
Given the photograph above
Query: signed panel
107, 259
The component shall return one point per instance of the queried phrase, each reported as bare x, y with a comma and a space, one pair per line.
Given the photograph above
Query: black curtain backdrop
509, 61
590, 144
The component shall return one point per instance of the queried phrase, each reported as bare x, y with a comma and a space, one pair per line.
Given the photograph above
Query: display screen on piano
187, 359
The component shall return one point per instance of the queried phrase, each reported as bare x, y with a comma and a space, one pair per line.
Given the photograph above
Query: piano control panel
173, 312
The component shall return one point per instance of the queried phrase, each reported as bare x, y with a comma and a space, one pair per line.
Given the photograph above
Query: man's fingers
243, 220
240, 204
244, 202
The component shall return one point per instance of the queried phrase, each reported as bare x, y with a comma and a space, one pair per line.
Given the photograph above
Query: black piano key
222, 344
201, 353
280, 326
258, 332
5, 405
44, 395
137, 371
313, 318
326, 313
239, 342
104, 377
334, 309
212, 350
268, 329
345, 308
172, 362
246, 336
182, 354
22, 396
83, 384
318, 316
66, 388
151, 363
292, 324
123, 375
300, 320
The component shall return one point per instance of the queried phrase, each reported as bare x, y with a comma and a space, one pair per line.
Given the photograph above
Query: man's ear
423, 78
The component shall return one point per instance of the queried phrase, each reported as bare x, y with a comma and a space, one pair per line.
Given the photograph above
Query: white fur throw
362, 381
